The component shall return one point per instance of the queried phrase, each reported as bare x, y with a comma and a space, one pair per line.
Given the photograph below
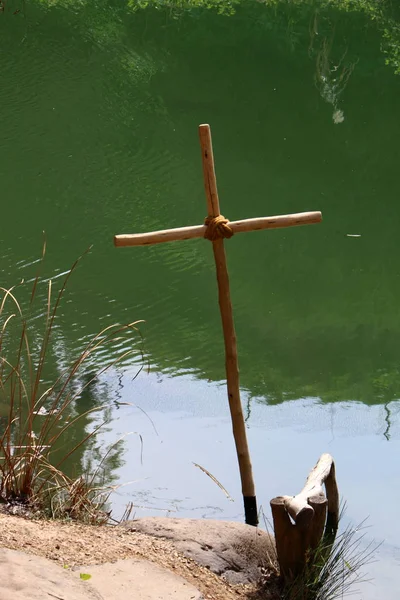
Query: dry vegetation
42, 418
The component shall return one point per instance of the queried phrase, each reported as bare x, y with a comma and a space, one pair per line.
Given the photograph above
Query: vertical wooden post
231, 358
287, 540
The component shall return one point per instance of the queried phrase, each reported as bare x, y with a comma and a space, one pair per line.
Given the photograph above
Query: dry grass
332, 571
39, 418
336, 567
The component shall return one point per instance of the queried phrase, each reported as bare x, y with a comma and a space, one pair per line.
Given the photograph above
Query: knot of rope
217, 227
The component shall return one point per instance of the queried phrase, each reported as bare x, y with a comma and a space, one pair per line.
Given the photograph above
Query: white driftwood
323, 473
314, 515
198, 231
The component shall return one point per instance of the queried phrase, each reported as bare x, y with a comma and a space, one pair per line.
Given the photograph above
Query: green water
99, 135
100, 106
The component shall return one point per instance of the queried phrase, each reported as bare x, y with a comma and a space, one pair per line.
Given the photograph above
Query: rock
28, 577
239, 553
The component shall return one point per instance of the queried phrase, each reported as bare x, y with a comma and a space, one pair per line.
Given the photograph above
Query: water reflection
193, 425
331, 77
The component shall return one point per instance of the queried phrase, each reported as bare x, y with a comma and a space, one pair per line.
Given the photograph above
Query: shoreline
71, 545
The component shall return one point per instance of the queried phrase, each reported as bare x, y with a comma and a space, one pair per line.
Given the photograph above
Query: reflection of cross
216, 227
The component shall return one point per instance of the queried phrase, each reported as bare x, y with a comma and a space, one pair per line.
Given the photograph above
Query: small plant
334, 568
34, 440
331, 572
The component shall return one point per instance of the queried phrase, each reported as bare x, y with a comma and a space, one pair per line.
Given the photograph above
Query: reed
41, 418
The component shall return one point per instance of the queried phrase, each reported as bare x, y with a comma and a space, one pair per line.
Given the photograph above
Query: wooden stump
301, 521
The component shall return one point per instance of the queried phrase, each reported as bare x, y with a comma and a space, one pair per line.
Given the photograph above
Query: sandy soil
71, 544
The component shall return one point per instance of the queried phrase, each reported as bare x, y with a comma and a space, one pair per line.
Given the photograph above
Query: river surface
100, 106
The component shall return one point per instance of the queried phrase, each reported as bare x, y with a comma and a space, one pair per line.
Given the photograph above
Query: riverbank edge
72, 544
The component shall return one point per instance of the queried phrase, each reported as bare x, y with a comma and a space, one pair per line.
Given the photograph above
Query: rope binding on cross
217, 227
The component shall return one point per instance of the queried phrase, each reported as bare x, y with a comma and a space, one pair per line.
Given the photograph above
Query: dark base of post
250, 510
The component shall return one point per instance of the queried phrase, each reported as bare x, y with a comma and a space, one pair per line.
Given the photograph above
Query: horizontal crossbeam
197, 231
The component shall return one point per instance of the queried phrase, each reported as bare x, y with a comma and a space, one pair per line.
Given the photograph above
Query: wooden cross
216, 227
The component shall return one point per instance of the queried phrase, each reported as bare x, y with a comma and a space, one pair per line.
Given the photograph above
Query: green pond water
100, 105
